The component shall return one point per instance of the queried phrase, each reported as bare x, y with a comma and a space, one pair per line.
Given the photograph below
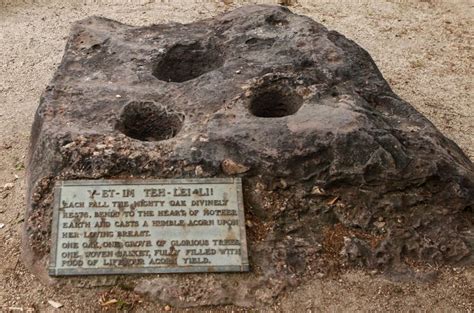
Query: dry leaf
317, 191
230, 167
332, 201
112, 301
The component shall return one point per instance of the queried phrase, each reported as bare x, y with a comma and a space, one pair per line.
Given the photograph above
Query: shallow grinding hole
185, 62
276, 102
147, 121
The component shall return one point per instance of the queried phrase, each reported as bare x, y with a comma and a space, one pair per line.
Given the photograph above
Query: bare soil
423, 48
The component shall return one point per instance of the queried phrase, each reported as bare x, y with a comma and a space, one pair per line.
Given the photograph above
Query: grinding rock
269, 96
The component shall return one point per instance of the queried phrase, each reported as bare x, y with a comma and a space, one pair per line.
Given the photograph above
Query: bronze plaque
148, 226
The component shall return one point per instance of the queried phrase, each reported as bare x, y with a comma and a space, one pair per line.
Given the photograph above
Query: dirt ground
423, 48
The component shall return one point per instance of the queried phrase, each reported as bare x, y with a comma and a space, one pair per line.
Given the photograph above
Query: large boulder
336, 168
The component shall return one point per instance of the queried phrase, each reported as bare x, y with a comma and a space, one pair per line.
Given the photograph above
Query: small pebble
167, 308
8, 186
2, 225
55, 304
198, 170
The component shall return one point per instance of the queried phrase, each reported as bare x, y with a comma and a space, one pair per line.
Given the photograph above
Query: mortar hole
275, 103
147, 121
185, 62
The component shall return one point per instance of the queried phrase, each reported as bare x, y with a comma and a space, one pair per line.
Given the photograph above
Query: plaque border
237, 181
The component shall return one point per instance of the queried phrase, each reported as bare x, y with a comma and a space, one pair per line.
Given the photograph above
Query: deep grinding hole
147, 121
275, 103
185, 62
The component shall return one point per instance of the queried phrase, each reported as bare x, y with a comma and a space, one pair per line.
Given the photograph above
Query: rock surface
336, 168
